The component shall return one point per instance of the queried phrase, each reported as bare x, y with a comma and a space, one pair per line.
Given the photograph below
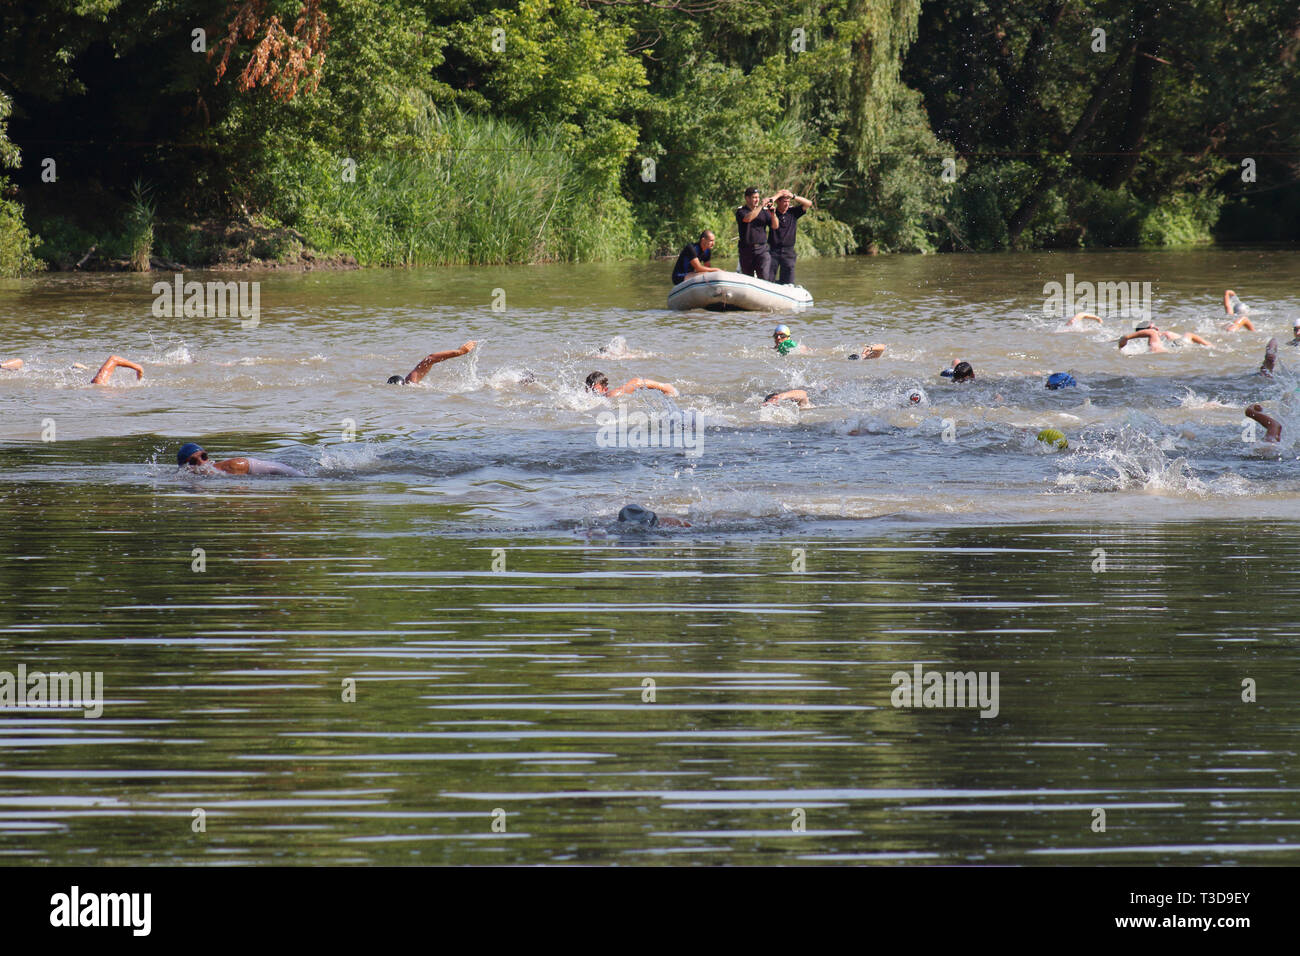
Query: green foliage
519, 130
900, 205
17, 245
139, 227
478, 190
1181, 220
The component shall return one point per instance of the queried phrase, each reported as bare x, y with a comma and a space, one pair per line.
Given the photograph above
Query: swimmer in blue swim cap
192, 457
429, 361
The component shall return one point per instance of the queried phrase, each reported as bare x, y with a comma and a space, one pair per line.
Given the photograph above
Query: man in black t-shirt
781, 238
753, 220
693, 257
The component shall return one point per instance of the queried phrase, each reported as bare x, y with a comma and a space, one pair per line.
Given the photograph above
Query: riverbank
234, 245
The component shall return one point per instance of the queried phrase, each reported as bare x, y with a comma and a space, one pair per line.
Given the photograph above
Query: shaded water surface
523, 692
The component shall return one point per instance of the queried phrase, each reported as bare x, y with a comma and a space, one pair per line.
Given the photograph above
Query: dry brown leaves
286, 63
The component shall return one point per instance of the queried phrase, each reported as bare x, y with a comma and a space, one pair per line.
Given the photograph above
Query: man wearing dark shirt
754, 219
693, 257
781, 238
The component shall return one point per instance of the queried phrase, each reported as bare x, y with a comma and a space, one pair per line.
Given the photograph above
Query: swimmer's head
1143, 326
637, 515
1295, 327
854, 355
962, 372
1054, 438
598, 382
914, 398
191, 455
395, 380
1060, 380
781, 332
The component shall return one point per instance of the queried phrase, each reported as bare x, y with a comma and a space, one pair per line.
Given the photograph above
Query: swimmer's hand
873, 351
468, 347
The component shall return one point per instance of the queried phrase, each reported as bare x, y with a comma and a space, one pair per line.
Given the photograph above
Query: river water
439, 647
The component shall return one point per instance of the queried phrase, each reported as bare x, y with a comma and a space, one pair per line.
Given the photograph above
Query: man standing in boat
754, 219
781, 236
694, 258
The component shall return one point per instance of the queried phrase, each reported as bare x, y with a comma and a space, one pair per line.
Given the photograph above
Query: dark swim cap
1060, 380
635, 514
187, 450
962, 371
396, 380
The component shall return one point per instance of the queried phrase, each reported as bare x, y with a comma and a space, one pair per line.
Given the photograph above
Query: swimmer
12, 365
1085, 317
868, 352
1054, 438
1272, 427
414, 376
598, 382
960, 371
1234, 306
111, 365
1295, 334
1153, 334
1059, 380
785, 345
797, 395
639, 517
193, 458
1270, 359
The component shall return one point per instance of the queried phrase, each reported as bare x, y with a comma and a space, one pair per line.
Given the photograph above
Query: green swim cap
1052, 437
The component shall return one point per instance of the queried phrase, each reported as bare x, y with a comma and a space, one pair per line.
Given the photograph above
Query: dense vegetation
435, 131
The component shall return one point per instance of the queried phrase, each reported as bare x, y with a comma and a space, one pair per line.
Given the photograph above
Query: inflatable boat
731, 290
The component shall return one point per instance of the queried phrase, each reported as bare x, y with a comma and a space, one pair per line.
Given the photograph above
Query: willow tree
893, 186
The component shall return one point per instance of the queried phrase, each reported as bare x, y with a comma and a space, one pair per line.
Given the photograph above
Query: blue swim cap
781, 330
188, 449
1060, 380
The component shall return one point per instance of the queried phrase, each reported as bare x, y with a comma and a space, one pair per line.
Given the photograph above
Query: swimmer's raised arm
1085, 316
798, 395
873, 351
1196, 339
12, 365
429, 361
1272, 427
1270, 359
1228, 296
113, 363
630, 387
1151, 335
1243, 322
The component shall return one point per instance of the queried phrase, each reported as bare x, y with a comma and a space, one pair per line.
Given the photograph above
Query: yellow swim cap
1052, 437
